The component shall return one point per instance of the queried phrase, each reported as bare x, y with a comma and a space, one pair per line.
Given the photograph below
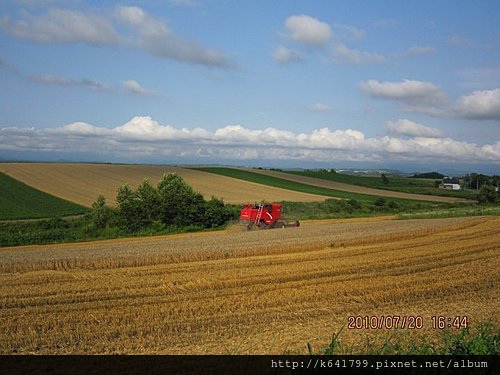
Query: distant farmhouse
451, 183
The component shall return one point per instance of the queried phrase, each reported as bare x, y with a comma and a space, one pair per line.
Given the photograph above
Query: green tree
385, 179
216, 213
179, 204
101, 216
149, 201
488, 194
130, 213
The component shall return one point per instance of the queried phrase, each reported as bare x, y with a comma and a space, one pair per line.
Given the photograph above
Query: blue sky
413, 85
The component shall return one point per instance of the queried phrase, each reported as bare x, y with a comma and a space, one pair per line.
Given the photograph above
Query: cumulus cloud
283, 55
134, 87
428, 98
412, 129
311, 32
320, 107
406, 90
142, 136
308, 30
417, 96
142, 31
483, 104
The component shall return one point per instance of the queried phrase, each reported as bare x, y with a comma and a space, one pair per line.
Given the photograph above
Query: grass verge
483, 340
476, 210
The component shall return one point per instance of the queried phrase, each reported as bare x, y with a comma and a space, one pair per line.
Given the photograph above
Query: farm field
266, 292
329, 184
18, 200
396, 183
83, 183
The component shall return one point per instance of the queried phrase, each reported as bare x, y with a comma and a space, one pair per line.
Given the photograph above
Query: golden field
266, 292
83, 183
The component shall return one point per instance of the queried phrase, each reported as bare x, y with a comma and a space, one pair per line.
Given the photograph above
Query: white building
451, 183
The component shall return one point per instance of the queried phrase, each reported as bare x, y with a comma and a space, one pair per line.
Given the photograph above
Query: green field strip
294, 186
21, 201
396, 183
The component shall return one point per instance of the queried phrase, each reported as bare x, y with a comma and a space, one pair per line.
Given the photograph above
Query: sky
411, 85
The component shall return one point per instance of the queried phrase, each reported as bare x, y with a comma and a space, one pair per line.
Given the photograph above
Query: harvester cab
264, 216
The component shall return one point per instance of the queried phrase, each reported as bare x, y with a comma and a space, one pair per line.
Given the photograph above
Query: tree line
171, 204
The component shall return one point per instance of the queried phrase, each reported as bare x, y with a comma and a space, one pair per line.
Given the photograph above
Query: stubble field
247, 292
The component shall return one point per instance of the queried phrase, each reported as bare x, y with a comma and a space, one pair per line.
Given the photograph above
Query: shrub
216, 213
488, 194
101, 216
355, 205
393, 205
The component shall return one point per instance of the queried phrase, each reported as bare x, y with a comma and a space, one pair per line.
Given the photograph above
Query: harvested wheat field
83, 183
354, 188
250, 292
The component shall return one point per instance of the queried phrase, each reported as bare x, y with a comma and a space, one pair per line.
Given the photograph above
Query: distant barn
451, 183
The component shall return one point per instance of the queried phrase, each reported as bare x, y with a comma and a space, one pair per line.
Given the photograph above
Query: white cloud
412, 129
283, 55
480, 105
144, 136
343, 54
62, 26
134, 87
157, 38
308, 30
406, 90
142, 31
417, 96
320, 107
428, 98
81, 129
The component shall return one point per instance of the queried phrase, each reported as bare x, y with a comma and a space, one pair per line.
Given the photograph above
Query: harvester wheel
254, 226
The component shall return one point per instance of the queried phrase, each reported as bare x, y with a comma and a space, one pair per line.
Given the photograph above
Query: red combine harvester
264, 216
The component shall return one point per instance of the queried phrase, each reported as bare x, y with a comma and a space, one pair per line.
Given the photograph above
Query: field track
83, 183
247, 292
353, 188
